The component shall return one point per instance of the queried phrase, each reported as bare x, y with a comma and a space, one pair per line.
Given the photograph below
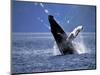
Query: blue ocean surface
34, 52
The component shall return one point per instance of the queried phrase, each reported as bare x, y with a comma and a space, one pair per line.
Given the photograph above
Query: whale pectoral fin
74, 33
70, 37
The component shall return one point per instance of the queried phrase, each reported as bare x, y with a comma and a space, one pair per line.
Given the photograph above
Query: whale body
63, 41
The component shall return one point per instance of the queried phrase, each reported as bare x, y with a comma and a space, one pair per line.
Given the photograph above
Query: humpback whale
63, 40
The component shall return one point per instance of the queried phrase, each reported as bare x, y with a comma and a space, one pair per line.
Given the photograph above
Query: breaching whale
63, 40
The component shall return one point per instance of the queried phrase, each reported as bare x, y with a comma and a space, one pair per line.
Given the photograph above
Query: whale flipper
74, 33
63, 41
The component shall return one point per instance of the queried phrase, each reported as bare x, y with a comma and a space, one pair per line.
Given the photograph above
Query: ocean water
37, 52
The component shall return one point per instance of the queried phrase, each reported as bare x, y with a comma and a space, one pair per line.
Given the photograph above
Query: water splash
45, 10
56, 50
41, 20
78, 44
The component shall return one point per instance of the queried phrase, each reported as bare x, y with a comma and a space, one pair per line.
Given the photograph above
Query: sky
33, 16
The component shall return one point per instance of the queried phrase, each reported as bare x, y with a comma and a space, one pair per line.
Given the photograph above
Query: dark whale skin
65, 46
